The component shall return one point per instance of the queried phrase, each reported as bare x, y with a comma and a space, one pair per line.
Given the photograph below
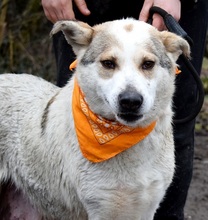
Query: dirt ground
197, 201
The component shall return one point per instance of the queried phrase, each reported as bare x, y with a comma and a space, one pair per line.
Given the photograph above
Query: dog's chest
138, 167
131, 180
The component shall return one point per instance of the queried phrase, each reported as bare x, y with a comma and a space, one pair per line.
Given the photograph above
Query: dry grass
25, 45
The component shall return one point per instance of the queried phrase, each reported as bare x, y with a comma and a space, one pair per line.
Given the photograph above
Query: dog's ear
175, 44
78, 34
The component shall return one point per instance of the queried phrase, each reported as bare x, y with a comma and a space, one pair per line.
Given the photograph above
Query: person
192, 16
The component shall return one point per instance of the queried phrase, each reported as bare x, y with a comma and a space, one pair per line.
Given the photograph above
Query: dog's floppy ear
175, 44
77, 34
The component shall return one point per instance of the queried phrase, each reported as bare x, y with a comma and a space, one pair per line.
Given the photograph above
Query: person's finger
171, 6
50, 15
82, 6
58, 9
144, 14
158, 22
67, 11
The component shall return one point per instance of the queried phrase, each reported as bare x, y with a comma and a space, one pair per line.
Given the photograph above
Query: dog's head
126, 68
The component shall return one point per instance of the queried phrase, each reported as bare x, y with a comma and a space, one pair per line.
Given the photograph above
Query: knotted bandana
101, 139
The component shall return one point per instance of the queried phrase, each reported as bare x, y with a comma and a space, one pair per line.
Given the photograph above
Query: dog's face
126, 68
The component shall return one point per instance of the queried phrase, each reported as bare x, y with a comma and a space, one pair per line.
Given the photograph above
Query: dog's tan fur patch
128, 27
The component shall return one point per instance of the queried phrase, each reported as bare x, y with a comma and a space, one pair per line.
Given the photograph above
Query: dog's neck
101, 139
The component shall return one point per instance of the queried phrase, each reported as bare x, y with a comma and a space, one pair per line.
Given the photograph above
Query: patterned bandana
101, 139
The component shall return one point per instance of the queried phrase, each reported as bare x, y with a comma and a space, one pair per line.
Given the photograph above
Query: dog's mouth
129, 117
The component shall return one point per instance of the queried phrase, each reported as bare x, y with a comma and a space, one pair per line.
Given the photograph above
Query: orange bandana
100, 139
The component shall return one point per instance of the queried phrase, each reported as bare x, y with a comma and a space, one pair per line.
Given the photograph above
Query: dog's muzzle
130, 103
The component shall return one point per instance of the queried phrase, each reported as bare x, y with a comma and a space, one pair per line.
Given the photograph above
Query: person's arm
62, 9
173, 7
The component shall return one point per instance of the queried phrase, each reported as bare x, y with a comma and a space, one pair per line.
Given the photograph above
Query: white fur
39, 151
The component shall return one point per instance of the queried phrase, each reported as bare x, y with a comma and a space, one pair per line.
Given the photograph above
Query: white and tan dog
126, 71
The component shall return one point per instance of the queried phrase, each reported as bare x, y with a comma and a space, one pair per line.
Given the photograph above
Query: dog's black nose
130, 101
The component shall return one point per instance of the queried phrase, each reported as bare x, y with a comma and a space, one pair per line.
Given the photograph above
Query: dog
53, 150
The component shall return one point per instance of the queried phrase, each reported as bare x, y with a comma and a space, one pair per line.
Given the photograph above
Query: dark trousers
194, 21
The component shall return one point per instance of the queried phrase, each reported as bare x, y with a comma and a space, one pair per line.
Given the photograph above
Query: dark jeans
194, 21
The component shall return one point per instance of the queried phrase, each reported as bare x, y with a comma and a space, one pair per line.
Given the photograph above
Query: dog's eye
146, 65
108, 64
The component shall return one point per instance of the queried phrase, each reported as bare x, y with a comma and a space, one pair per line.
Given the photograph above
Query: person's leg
194, 22
64, 56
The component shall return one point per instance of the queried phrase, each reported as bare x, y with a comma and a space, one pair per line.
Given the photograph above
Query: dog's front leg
121, 214
112, 214
114, 204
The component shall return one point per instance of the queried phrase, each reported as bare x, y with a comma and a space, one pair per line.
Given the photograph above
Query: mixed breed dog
101, 147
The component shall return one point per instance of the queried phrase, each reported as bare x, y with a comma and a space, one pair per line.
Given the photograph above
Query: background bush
25, 45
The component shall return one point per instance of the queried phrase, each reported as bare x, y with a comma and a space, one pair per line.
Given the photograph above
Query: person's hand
173, 7
62, 9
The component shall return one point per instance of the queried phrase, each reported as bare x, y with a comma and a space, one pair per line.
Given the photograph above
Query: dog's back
20, 95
